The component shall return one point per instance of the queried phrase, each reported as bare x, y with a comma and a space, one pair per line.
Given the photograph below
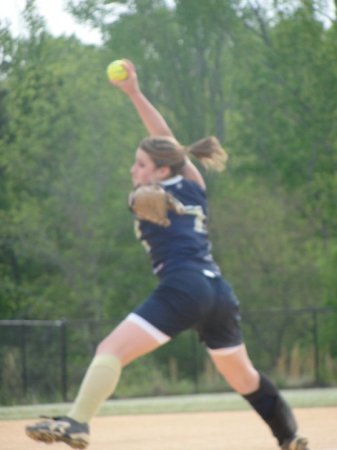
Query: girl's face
144, 170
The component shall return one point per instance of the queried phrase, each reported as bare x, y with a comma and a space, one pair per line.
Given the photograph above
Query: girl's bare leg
237, 369
130, 340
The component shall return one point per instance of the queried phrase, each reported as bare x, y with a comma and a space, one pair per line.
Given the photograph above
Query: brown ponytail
167, 151
209, 152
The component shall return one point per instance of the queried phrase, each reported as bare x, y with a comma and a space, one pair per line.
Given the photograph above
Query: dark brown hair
166, 151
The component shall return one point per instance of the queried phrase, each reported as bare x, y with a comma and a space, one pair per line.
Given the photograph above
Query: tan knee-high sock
98, 384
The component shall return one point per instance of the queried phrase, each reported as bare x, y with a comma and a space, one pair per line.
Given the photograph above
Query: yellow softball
116, 71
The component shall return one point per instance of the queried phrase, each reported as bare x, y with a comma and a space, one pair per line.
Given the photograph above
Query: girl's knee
246, 383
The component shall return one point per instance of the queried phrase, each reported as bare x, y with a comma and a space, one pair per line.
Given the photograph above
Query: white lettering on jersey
139, 235
200, 218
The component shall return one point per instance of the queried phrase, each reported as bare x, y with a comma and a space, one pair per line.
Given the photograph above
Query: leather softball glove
152, 203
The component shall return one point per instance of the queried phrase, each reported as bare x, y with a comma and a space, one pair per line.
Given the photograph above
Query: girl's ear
164, 172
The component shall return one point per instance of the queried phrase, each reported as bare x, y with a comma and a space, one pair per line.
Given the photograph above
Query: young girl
191, 293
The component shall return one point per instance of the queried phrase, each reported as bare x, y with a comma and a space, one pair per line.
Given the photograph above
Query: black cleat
297, 443
60, 429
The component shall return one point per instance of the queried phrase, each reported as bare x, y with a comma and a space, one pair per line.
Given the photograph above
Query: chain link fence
44, 361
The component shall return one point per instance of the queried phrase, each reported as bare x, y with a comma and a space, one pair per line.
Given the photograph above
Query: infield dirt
229, 430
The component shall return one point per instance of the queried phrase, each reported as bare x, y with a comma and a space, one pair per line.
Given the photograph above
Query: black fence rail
44, 361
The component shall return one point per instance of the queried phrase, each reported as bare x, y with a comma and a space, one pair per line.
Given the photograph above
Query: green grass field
305, 398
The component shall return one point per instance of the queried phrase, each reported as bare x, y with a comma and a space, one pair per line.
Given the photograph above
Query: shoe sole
301, 444
49, 438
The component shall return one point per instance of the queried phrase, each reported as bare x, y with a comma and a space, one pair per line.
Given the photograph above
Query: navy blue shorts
188, 299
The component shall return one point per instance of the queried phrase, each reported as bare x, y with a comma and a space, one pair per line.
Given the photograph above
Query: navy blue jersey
185, 243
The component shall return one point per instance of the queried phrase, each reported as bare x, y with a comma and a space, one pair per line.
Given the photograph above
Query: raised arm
152, 119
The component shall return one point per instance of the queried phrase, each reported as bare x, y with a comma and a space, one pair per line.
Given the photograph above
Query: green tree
289, 88
68, 139
64, 165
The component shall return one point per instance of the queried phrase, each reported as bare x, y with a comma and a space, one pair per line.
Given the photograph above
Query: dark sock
273, 409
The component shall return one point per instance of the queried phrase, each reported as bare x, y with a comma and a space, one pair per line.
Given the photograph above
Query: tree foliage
263, 83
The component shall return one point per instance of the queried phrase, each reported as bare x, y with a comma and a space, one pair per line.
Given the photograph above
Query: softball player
191, 293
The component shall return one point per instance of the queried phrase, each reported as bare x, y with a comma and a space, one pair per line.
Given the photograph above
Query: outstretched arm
152, 119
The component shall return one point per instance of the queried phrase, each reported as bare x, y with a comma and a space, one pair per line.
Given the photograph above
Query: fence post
63, 358
316, 347
195, 356
23, 359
